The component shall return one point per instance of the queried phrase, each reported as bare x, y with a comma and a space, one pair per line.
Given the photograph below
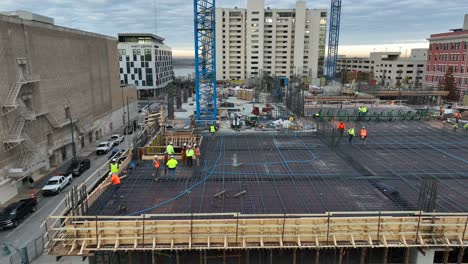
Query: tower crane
205, 60
333, 38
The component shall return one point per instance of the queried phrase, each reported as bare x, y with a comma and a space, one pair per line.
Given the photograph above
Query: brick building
449, 50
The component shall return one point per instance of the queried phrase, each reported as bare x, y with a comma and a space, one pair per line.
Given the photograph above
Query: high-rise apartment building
146, 62
282, 42
449, 51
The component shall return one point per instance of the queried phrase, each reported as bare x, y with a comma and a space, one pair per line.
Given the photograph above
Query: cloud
363, 23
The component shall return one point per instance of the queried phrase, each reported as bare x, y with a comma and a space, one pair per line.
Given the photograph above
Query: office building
389, 69
449, 50
146, 62
283, 42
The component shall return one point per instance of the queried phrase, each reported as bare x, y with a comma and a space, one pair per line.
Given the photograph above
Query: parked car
104, 147
116, 154
13, 214
56, 184
128, 130
78, 166
117, 139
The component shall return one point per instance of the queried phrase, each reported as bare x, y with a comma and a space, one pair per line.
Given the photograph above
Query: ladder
9, 103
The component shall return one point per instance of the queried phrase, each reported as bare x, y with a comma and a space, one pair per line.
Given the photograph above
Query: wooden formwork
178, 138
87, 234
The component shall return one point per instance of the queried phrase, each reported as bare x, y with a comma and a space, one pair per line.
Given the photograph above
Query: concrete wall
74, 68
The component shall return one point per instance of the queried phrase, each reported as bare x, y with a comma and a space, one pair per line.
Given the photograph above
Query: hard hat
172, 156
114, 160
185, 144
170, 143
155, 156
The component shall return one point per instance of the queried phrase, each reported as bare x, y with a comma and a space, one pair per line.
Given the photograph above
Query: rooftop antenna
155, 19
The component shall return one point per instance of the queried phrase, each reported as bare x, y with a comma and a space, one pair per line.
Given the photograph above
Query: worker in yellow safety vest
189, 154
171, 166
351, 135
170, 149
212, 129
114, 166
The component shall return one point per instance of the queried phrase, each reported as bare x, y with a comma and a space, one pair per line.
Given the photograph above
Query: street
32, 228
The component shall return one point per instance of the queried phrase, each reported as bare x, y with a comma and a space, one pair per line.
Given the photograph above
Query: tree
450, 86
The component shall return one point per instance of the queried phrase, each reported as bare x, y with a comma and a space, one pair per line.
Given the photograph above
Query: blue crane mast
333, 38
205, 59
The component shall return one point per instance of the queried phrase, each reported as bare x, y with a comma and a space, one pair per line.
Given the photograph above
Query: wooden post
446, 256
363, 256
271, 256
294, 256
340, 257
177, 256
317, 256
407, 255
461, 252
385, 256
247, 256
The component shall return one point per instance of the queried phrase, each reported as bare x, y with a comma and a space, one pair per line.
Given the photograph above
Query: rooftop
140, 38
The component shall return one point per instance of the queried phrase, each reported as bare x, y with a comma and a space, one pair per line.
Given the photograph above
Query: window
255, 19
255, 13
268, 20
122, 52
136, 52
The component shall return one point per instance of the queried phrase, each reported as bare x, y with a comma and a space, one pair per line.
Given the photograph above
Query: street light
23, 252
68, 111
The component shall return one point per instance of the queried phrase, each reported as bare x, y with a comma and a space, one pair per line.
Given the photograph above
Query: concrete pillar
418, 257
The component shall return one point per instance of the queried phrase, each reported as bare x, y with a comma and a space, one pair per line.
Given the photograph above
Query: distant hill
178, 62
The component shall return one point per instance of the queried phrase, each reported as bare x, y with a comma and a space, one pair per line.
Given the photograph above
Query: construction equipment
333, 38
251, 120
205, 59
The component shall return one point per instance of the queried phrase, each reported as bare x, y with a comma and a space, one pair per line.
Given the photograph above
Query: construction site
277, 181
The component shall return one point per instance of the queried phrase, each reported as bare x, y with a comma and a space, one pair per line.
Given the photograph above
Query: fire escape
29, 159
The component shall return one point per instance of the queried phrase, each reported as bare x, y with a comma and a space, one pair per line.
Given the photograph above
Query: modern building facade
283, 42
53, 80
389, 69
449, 51
146, 62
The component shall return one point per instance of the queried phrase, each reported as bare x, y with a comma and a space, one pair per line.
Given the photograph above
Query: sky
366, 25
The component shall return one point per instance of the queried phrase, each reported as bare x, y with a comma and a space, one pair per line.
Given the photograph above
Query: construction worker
441, 111
171, 166
197, 154
351, 134
455, 127
465, 127
291, 119
115, 179
189, 153
156, 166
318, 114
170, 149
212, 129
182, 153
457, 116
363, 134
341, 128
114, 166
362, 112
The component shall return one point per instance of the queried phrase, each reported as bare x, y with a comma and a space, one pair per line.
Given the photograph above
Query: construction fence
35, 249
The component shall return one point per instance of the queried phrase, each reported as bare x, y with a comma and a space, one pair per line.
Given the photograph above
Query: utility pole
67, 107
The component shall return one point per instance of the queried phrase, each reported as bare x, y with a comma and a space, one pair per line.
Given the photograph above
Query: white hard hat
155, 156
114, 160
170, 143
172, 156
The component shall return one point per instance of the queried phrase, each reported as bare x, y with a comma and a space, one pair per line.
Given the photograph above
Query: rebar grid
263, 173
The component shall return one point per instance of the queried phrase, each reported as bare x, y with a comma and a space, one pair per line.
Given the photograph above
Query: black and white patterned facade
145, 61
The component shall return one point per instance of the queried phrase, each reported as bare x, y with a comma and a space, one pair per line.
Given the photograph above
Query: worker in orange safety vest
363, 134
341, 128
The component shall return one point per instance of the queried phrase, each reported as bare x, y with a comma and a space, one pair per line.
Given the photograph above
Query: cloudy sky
367, 25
